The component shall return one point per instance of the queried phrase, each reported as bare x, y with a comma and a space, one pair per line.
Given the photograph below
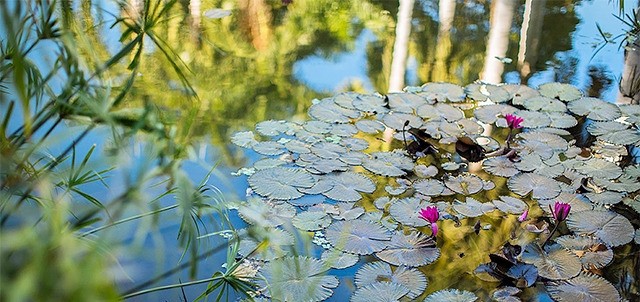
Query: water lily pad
379, 271
631, 112
542, 103
271, 127
612, 228
533, 119
614, 132
443, 92
280, 182
338, 259
358, 236
578, 202
328, 150
406, 102
260, 213
595, 109
407, 211
327, 110
555, 262
451, 295
269, 148
606, 197
370, 126
311, 220
510, 205
472, 207
397, 121
354, 143
413, 250
525, 275
519, 93
296, 146
393, 163
347, 185
506, 294
428, 187
380, 292
297, 278
584, 287
500, 166
319, 127
345, 211
560, 120
598, 168
264, 243
466, 184
487, 92
371, 103
267, 163
489, 113
592, 252
540, 186
244, 139
560, 91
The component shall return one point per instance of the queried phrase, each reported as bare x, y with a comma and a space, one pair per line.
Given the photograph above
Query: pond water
251, 61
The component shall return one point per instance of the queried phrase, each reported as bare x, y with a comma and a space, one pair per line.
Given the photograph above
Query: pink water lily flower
431, 215
560, 211
524, 215
514, 121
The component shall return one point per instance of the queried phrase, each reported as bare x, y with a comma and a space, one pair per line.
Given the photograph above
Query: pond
362, 150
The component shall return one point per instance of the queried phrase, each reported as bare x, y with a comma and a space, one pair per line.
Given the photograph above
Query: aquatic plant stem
551, 234
128, 219
159, 288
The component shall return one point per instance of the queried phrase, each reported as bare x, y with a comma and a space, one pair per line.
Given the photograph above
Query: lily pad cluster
349, 179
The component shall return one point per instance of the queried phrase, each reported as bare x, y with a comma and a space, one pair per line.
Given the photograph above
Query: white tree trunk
447, 10
530, 37
498, 42
401, 46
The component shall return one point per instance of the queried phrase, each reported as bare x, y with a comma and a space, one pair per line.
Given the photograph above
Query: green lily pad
244, 139
280, 182
370, 126
442, 92
412, 250
584, 287
379, 271
297, 278
540, 186
487, 92
612, 228
560, 91
347, 185
358, 236
380, 292
595, 109
451, 295
591, 251
466, 184
394, 163
554, 262
338, 259
519, 93
473, 208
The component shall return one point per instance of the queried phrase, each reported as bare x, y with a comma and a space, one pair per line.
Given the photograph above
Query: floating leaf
489, 113
606, 197
346, 186
555, 262
540, 186
297, 278
451, 295
397, 121
614, 132
533, 119
428, 187
439, 112
389, 163
519, 93
264, 243
500, 166
319, 127
560, 120
311, 220
542, 103
280, 183
328, 150
379, 271
380, 292
598, 168
370, 126
328, 111
346, 211
371, 103
584, 287
244, 139
560, 91
296, 146
525, 275
271, 127
260, 213
269, 148
405, 102
358, 236
632, 112
592, 252
595, 109
506, 294
578, 202
267, 163
612, 228
484, 92
343, 130
414, 250
354, 143
472, 207
407, 211
466, 184
510, 205
443, 92
338, 259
